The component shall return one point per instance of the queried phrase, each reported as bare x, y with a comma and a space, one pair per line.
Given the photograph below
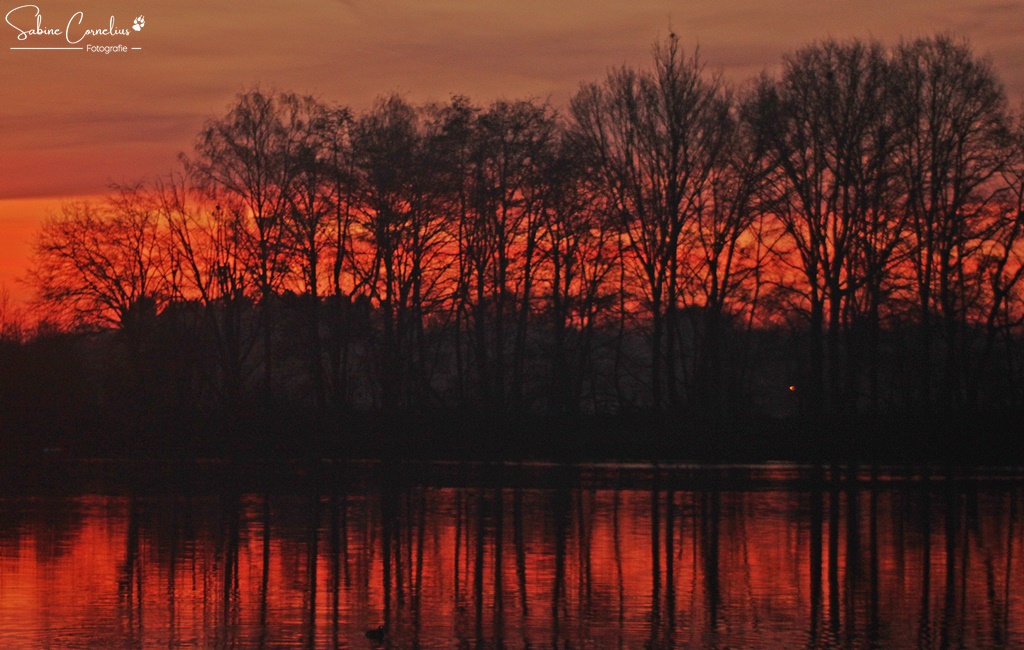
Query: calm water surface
453, 555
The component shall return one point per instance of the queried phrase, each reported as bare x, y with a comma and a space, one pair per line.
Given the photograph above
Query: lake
210, 555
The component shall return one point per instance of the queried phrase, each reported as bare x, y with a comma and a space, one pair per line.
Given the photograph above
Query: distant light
792, 389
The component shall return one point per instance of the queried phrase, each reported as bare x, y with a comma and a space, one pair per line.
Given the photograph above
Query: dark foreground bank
268, 433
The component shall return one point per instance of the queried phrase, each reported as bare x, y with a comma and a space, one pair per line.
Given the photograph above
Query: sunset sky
72, 122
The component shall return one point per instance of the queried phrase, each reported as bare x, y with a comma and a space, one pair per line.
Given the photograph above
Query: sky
74, 121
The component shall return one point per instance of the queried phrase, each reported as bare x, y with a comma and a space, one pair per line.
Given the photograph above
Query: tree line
841, 236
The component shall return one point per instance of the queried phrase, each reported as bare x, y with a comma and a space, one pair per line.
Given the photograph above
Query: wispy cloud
69, 122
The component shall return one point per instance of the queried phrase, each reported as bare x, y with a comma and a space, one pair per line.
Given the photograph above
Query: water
452, 555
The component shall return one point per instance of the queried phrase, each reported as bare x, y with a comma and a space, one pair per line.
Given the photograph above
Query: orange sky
71, 122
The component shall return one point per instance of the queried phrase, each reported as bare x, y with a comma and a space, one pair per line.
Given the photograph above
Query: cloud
65, 116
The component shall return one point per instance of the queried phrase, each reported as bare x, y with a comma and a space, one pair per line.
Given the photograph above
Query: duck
377, 634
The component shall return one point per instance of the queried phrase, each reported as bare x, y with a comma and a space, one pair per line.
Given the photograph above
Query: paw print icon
139, 23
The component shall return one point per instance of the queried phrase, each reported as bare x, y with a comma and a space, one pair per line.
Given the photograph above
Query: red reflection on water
852, 565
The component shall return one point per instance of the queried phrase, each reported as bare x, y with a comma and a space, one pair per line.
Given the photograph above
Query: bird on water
377, 634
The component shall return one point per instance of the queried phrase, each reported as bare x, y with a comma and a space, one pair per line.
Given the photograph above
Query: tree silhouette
955, 114
844, 235
242, 161
101, 265
828, 125
653, 139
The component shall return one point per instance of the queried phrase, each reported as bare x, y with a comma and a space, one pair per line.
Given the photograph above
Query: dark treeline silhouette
840, 239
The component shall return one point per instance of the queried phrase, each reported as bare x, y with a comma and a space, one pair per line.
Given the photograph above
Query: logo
77, 31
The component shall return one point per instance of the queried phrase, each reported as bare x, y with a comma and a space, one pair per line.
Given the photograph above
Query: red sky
72, 122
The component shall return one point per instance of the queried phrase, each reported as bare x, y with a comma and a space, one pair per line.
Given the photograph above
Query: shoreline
293, 435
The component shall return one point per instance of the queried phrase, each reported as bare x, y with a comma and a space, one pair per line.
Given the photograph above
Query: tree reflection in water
523, 556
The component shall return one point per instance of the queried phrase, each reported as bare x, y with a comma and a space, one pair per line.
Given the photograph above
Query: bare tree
398, 233
954, 115
499, 235
578, 250
207, 271
653, 139
827, 123
452, 144
1001, 271
12, 318
242, 160
722, 253
101, 264
317, 138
